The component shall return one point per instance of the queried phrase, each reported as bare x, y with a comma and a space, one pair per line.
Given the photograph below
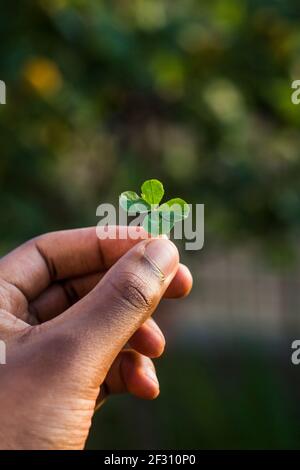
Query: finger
10, 325
181, 285
60, 296
148, 339
100, 325
59, 255
131, 373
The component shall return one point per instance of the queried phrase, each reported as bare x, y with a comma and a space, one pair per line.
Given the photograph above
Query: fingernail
150, 373
163, 255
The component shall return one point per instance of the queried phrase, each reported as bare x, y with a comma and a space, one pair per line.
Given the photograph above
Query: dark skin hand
75, 313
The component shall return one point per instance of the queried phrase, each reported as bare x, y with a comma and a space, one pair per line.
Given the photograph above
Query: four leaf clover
159, 219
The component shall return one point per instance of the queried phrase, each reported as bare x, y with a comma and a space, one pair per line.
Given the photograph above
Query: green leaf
156, 225
175, 210
159, 220
152, 191
132, 203
139, 207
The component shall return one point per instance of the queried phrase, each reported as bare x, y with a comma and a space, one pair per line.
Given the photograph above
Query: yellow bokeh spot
149, 14
43, 75
53, 6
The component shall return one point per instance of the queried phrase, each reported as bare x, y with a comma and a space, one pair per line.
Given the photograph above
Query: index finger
55, 256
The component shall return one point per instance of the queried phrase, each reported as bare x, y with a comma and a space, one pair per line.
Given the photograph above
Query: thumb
103, 322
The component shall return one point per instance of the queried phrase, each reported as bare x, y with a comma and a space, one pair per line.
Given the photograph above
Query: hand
69, 304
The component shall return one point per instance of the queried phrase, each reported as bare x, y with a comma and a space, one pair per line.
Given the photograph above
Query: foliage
197, 92
159, 219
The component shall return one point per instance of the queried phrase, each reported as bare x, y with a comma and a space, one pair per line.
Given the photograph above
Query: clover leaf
155, 224
176, 209
133, 203
152, 191
159, 220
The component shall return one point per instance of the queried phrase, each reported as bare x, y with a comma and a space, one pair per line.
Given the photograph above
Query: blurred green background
102, 95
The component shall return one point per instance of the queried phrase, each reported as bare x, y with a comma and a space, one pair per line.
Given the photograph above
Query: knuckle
70, 292
40, 239
134, 291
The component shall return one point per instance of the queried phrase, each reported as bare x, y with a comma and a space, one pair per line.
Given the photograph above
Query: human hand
69, 305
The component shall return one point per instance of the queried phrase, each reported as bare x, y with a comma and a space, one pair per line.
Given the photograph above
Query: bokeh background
102, 95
